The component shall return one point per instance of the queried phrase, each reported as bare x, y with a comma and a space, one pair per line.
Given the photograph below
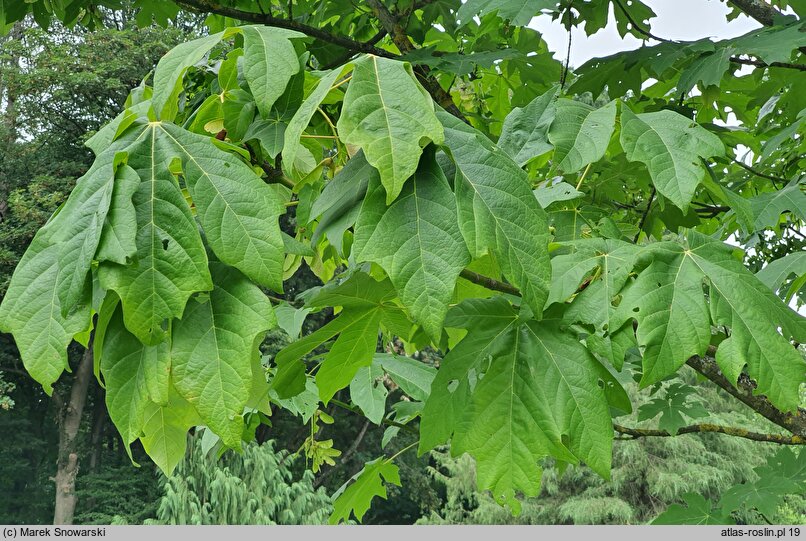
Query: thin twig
644, 215
489, 283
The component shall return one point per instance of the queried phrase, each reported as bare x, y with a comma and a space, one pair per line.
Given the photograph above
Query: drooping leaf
553, 193
32, 313
134, 374
609, 260
774, 274
412, 376
117, 243
417, 241
525, 134
669, 144
357, 497
580, 133
667, 302
390, 117
77, 227
768, 207
165, 431
368, 392
340, 201
171, 261
290, 319
366, 304
213, 347
238, 211
497, 211
538, 396
171, 69
269, 63
301, 119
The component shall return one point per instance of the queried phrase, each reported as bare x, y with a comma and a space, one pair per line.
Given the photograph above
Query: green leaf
768, 207
669, 144
368, 392
412, 376
390, 117
340, 201
518, 12
774, 44
77, 228
497, 211
357, 497
290, 319
417, 242
673, 409
699, 512
134, 375
238, 211
117, 243
708, 68
525, 134
765, 495
606, 263
668, 302
352, 350
580, 133
165, 431
32, 313
366, 304
269, 133
171, 69
539, 396
171, 261
553, 193
269, 62
776, 273
214, 346
301, 119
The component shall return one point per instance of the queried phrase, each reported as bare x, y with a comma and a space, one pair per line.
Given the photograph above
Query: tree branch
208, 6
757, 173
349, 54
743, 391
757, 9
719, 429
489, 283
645, 214
760, 64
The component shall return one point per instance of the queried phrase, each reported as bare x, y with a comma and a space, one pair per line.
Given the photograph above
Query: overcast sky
676, 19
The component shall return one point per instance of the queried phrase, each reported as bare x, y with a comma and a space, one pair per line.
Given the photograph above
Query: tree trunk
69, 423
98, 427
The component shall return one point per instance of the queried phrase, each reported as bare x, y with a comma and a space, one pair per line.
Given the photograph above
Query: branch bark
205, 6
707, 427
489, 283
757, 9
743, 391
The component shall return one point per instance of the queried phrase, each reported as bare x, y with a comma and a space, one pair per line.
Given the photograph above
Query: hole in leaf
164, 244
636, 309
453, 385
